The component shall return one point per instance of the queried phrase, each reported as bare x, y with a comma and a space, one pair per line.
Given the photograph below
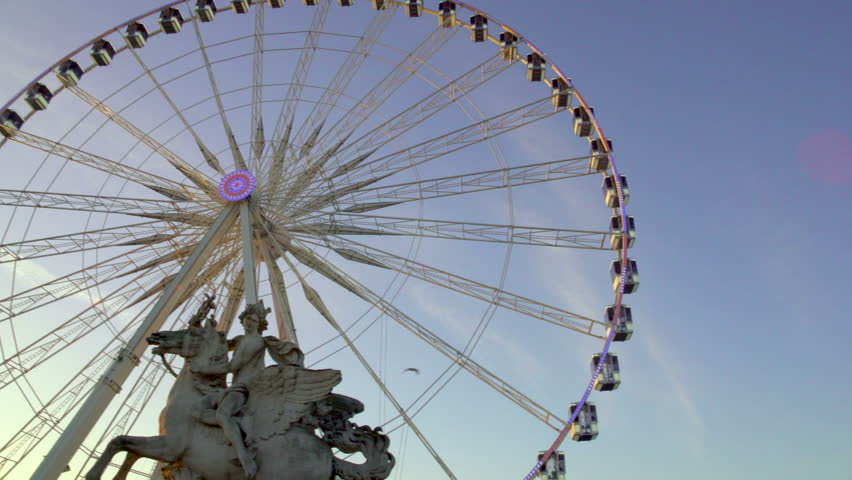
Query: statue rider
246, 362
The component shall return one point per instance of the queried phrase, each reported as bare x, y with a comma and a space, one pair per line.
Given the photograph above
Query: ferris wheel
387, 176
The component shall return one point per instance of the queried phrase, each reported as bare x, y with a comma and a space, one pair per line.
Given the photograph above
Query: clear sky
732, 122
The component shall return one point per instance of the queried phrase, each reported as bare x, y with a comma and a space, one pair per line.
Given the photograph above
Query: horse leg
157, 448
126, 466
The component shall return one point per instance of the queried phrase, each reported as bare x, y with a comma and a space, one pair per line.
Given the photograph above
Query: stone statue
263, 426
246, 363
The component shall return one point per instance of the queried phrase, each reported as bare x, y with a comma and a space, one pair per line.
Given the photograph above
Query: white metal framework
410, 159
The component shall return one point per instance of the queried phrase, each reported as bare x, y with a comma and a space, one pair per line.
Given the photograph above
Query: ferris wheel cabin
447, 14
275, 3
38, 96
346, 3
206, 10
611, 193
478, 28
413, 8
240, 6
535, 67
380, 4
10, 119
617, 232
585, 427
561, 93
624, 325
600, 156
554, 469
610, 376
508, 46
69, 73
102, 52
583, 121
136, 35
171, 20
631, 282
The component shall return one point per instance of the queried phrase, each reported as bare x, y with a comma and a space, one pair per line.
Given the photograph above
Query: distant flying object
412, 370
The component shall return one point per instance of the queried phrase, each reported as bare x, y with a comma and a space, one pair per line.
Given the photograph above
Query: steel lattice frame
319, 185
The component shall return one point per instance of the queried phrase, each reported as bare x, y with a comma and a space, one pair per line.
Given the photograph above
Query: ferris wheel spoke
344, 280
281, 302
330, 198
420, 112
90, 319
78, 281
191, 172
239, 162
230, 289
257, 88
362, 197
235, 292
307, 175
386, 88
311, 170
200, 180
471, 288
171, 256
464, 361
453, 141
373, 198
145, 233
208, 275
330, 97
432, 149
347, 71
222, 257
87, 203
316, 301
87, 159
305, 256
356, 224
284, 125
386, 132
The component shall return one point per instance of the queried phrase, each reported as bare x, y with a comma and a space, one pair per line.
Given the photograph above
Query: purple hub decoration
237, 185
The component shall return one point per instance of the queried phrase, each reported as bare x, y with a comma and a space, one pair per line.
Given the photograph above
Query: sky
731, 121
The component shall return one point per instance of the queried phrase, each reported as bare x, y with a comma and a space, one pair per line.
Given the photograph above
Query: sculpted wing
295, 384
283, 352
282, 395
304, 385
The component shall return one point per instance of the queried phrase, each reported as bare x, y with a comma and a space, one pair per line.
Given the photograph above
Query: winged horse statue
286, 417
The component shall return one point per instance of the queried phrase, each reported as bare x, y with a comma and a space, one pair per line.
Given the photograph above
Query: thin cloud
461, 324
684, 400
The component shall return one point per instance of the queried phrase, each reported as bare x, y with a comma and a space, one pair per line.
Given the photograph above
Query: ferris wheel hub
237, 185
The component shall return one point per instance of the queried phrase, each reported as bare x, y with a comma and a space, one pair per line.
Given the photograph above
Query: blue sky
732, 122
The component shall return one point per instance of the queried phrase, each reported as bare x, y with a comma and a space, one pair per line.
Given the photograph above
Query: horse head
197, 344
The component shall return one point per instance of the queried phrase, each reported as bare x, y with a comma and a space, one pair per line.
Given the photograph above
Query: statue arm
243, 354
